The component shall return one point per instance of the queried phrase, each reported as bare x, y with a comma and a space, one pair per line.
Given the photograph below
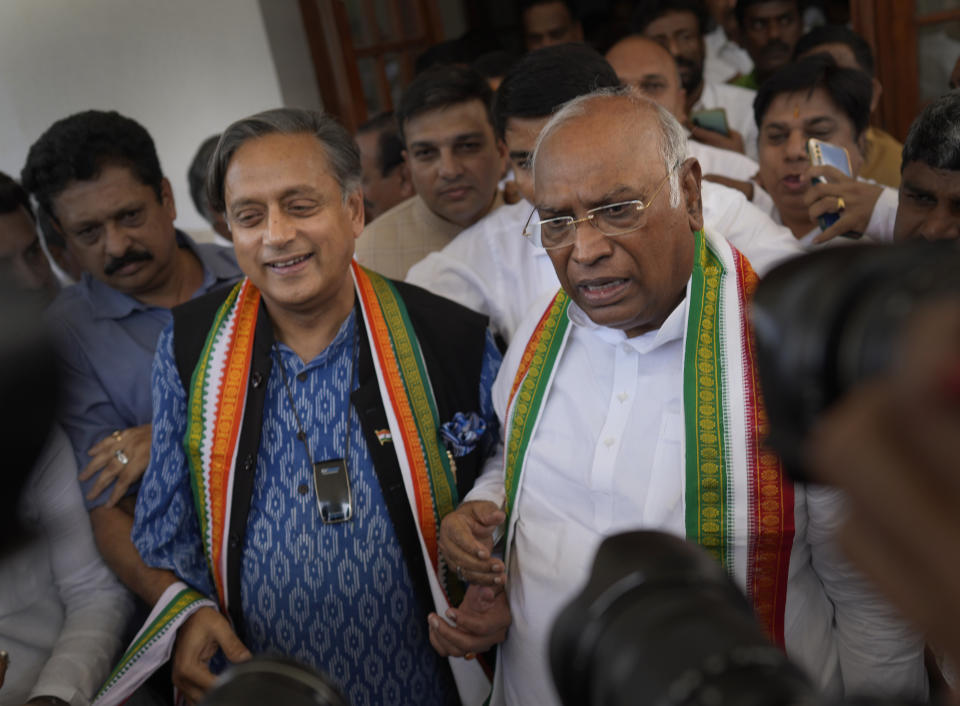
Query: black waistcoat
451, 339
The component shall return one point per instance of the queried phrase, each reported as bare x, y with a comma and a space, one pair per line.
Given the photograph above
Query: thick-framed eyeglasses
612, 219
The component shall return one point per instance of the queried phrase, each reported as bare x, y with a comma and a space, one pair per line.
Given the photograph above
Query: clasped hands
482, 619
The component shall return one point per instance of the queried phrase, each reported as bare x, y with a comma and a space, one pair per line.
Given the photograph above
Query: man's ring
460, 574
121, 457
117, 436
841, 204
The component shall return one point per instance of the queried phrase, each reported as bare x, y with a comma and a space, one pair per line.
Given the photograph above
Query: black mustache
775, 46
128, 257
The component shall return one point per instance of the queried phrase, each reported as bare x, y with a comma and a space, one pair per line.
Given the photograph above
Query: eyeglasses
612, 219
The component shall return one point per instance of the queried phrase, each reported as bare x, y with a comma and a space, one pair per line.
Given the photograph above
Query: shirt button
234, 540
609, 441
302, 377
256, 378
625, 347
623, 397
303, 489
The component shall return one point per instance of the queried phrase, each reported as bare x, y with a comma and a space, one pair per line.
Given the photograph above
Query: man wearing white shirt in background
628, 401
62, 612
816, 98
650, 68
678, 25
490, 267
725, 59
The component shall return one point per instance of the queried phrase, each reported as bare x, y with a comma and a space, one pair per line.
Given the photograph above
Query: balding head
649, 68
628, 267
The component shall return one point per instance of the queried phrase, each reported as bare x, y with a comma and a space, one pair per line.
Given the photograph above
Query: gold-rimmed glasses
611, 219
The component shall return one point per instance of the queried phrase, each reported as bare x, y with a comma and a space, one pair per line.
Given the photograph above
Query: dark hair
647, 11
934, 136
13, 196
389, 146
524, 5
837, 34
440, 87
850, 90
51, 236
197, 175
494, 64
543, 80
341, 149
463, 50
78, 147
742, 6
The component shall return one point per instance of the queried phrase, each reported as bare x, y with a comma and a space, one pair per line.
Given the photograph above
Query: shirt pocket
665, 489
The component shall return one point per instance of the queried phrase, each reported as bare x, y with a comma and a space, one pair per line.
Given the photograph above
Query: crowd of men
382, 422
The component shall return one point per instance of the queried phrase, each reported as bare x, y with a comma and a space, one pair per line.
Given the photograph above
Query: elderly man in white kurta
629, 400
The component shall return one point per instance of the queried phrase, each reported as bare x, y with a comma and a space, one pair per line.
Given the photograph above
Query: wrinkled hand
135, 443
197, 642
479, 623
732, 142
466, 542
892, 444
859, 199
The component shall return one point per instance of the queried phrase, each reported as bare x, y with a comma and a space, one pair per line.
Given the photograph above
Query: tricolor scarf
216, 403
738, 504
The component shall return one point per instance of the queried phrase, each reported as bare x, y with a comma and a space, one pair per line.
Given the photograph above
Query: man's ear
406, 183
166, 199
355, 211
504, 157
690, 179
875, 97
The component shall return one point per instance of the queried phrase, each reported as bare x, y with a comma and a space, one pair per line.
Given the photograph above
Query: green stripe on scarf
193, 441
417, 385
531, 393
707, 508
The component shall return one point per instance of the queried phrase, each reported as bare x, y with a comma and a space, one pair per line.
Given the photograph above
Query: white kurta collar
672, 329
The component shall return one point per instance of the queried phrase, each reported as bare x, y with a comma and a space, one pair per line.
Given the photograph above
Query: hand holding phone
832, 155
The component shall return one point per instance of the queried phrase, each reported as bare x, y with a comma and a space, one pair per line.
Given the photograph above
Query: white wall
184, 69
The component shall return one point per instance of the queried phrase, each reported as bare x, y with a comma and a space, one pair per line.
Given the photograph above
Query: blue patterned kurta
335, 596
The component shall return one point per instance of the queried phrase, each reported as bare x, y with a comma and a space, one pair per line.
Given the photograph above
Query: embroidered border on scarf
707, 488
412, 399
772, 524
218, 392
124, 677
530, 387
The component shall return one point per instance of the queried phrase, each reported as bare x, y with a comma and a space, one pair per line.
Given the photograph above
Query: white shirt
879, 228
491, 268
738, 103
724, 59
607, 458
62, 612
728, 163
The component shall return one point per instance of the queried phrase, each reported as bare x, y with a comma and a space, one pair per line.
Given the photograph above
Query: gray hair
934, 137
342, 151
673, 138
